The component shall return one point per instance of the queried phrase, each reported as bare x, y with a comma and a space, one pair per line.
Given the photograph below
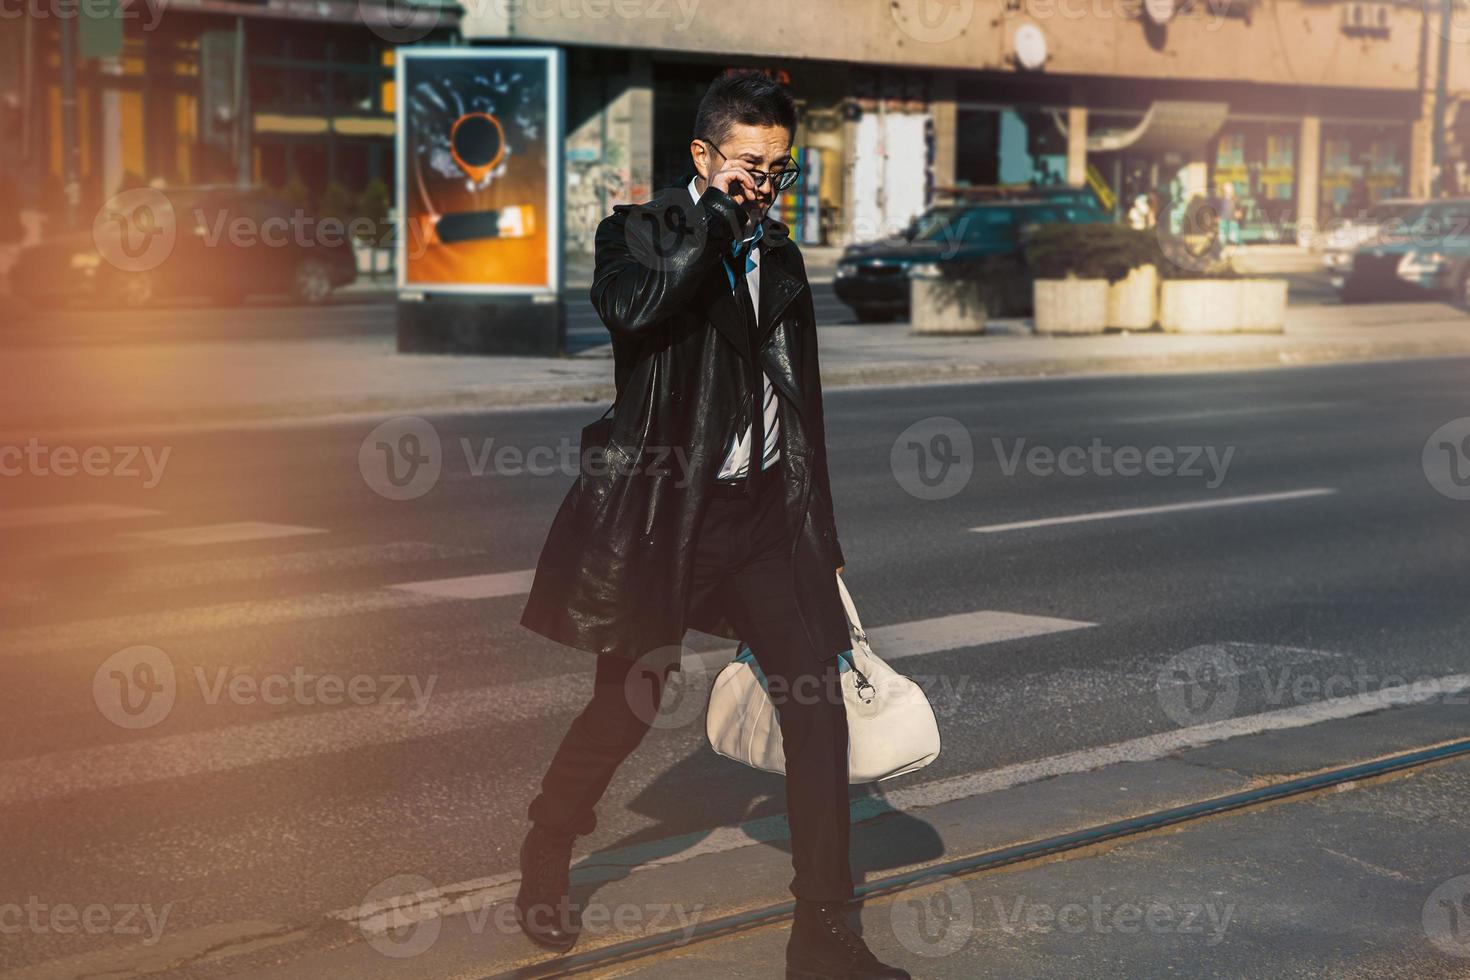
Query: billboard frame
555, 61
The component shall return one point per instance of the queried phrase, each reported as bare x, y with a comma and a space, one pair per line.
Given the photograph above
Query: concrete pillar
112, 128
1308, 182
1196, 176
635, 110
1421, 148
945, 113
1077, 145
610, 151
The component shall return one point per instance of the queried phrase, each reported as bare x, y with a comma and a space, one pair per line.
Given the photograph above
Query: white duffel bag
891, 727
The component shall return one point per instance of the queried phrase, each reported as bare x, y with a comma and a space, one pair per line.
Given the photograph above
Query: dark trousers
743, 562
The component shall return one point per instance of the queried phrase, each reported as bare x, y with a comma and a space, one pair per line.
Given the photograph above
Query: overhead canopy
1167, 127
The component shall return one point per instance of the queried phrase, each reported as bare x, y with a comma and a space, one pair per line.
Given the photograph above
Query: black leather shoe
543, 908
824, 947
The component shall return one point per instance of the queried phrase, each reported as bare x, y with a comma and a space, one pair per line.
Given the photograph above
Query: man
710, 507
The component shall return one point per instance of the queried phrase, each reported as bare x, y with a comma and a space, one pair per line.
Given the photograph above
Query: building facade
290, 95
1308, 109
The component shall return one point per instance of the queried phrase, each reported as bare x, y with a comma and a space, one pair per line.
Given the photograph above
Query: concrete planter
937, 306
1223, 305
1070, 306
1133, 303
1263, 305
1200, 306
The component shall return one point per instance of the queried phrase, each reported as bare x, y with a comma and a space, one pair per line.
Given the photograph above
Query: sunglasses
782, 179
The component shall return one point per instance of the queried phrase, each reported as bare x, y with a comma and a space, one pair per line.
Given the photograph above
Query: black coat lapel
778, 289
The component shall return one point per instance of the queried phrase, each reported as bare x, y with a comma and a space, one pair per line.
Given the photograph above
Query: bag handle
853, 622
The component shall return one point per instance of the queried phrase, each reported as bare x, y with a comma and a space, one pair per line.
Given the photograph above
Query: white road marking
231, 533
22, 587
1237, 412
1108, 515
480, 892
237, 746
245, 614
70, 514
493, 586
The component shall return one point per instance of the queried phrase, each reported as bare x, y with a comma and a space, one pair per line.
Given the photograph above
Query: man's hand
736, 181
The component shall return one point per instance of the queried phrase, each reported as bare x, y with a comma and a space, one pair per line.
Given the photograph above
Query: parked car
873, 279
221, 243
1411, 257
1345, 238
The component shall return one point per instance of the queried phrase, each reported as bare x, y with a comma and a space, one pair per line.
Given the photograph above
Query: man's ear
700, 153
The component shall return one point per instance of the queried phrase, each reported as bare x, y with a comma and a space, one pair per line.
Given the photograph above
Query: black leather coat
614, 573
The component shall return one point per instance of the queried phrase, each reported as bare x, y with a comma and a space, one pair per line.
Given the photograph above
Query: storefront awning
1167, 127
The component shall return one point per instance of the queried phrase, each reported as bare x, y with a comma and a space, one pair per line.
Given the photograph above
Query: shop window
1361, 164
1009, 146
1257, 161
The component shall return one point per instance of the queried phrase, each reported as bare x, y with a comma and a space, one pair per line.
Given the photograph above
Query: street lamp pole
1442, 98
70, 127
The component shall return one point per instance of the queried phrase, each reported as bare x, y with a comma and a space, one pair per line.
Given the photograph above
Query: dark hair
747, 97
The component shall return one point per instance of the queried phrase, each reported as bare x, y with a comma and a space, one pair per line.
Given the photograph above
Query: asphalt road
353, 700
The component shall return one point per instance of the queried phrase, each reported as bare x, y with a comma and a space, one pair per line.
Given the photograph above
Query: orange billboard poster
479, 170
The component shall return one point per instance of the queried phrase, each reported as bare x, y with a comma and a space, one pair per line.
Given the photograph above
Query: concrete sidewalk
1360, 880
158, 386
1367, 881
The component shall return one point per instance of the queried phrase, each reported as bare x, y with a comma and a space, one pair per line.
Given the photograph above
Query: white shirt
737, 459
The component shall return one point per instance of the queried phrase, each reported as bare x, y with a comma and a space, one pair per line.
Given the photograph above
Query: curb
893, 375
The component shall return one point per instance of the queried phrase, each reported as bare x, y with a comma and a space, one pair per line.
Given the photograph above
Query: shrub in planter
1000, 282
1098, 251
1088, 278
